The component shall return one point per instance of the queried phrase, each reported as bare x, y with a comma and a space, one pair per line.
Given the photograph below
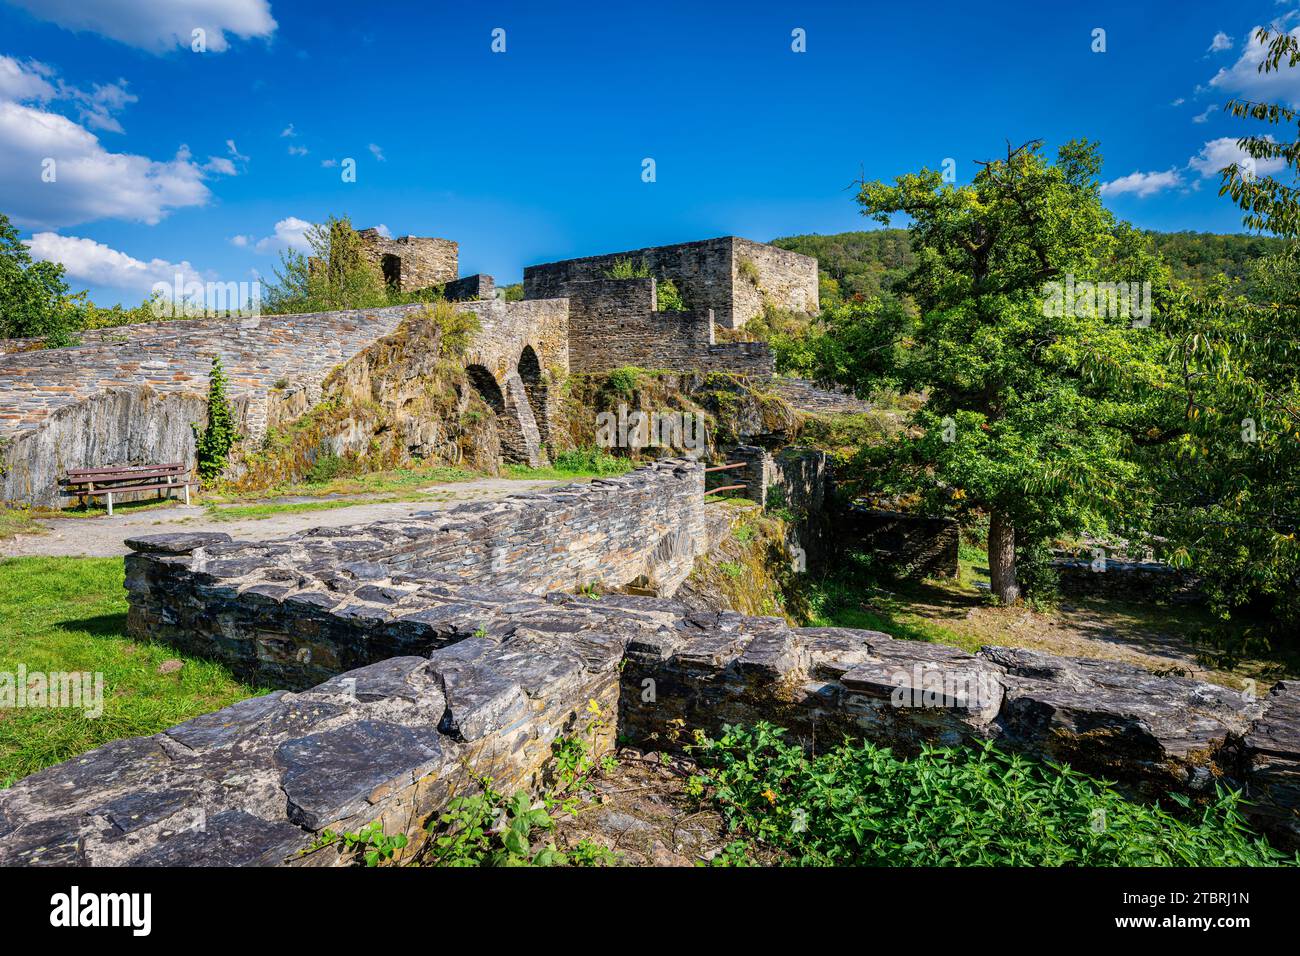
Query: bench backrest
78, 476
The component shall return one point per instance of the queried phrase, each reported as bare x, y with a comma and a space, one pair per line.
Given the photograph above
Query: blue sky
212, 161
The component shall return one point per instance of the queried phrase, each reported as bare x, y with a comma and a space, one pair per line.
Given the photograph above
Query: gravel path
102, 537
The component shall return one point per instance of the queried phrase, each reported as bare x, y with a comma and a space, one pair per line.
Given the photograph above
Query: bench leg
110, 503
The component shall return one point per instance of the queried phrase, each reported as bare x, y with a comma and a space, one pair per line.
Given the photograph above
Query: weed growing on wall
213, 443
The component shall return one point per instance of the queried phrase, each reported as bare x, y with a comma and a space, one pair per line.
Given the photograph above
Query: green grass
69, 614
377, 482
254, 512
14, 521
580, 463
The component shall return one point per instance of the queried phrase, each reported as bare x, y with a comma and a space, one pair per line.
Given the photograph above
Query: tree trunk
1002, 558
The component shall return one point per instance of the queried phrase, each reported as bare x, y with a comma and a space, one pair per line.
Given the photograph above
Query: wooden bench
83, 483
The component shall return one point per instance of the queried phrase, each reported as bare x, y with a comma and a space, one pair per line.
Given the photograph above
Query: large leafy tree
1014, 424
34, 298
1229, 475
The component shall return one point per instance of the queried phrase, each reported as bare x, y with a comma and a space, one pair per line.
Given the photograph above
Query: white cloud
220, 166
1243, 78
35, 82
1142, 184
298, 150
329, 163
1178, 102
234, 152
377, 152
1220, 42
55, 172
288, 131
25, 83
383, 231
1224, 151
290, 233
1205, 117
89, 181
240, 241
96, 264
159, 25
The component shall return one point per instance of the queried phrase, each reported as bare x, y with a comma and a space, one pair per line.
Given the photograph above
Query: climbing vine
213, 443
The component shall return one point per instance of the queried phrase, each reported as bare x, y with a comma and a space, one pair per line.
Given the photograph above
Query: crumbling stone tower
412, 262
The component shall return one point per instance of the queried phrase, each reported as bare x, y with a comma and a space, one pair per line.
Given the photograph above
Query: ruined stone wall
767, 274
908, 545
464, 674
412, 262
615, 323
495, 675
58, 410
707, 273
477, 286
293, 611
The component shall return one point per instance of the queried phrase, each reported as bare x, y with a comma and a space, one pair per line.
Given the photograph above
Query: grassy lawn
69, 614
579, 463
374, 483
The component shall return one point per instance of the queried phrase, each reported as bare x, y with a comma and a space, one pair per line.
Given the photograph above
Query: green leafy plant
370, 843
861, 805
213, 443
670, 298
625, 268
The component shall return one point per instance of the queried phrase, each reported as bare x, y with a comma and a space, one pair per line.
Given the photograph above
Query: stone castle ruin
414, 657
129, 395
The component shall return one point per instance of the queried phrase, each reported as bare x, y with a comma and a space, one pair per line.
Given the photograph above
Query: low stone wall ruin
469, 667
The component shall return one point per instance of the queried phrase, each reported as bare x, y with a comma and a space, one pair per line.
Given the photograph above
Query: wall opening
392, 268
487, 387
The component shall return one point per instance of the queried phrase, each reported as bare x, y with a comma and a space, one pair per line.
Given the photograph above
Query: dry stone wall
470, 669
412, 263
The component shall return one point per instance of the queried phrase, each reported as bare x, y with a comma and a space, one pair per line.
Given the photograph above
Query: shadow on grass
101, 625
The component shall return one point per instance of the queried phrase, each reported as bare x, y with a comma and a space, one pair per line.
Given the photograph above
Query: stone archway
535, 388
485, 384
516, 428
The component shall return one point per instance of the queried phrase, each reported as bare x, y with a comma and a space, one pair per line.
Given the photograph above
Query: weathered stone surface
1271, 753
332, 775
176, 543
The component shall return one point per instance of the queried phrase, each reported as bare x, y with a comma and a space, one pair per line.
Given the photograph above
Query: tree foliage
34, 298
333, 274
1012, 425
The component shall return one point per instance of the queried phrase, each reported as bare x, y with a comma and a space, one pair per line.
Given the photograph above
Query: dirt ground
102, 537
642, 812
1173, 640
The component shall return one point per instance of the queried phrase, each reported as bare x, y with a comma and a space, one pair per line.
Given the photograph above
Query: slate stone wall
129, 395
412, 262
616, 322
257, 782
708, 273
909, 545
293, 611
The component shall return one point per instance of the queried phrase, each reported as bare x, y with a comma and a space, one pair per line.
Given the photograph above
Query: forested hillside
866, 263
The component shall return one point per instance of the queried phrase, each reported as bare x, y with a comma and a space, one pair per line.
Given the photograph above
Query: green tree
212, 445
1226, 460
334, 274
34, 298
1013, 424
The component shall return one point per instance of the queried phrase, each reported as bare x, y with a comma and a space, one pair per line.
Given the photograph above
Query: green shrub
624, 380
670, 299
325, 468
212, 444
860, 805
624, 268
